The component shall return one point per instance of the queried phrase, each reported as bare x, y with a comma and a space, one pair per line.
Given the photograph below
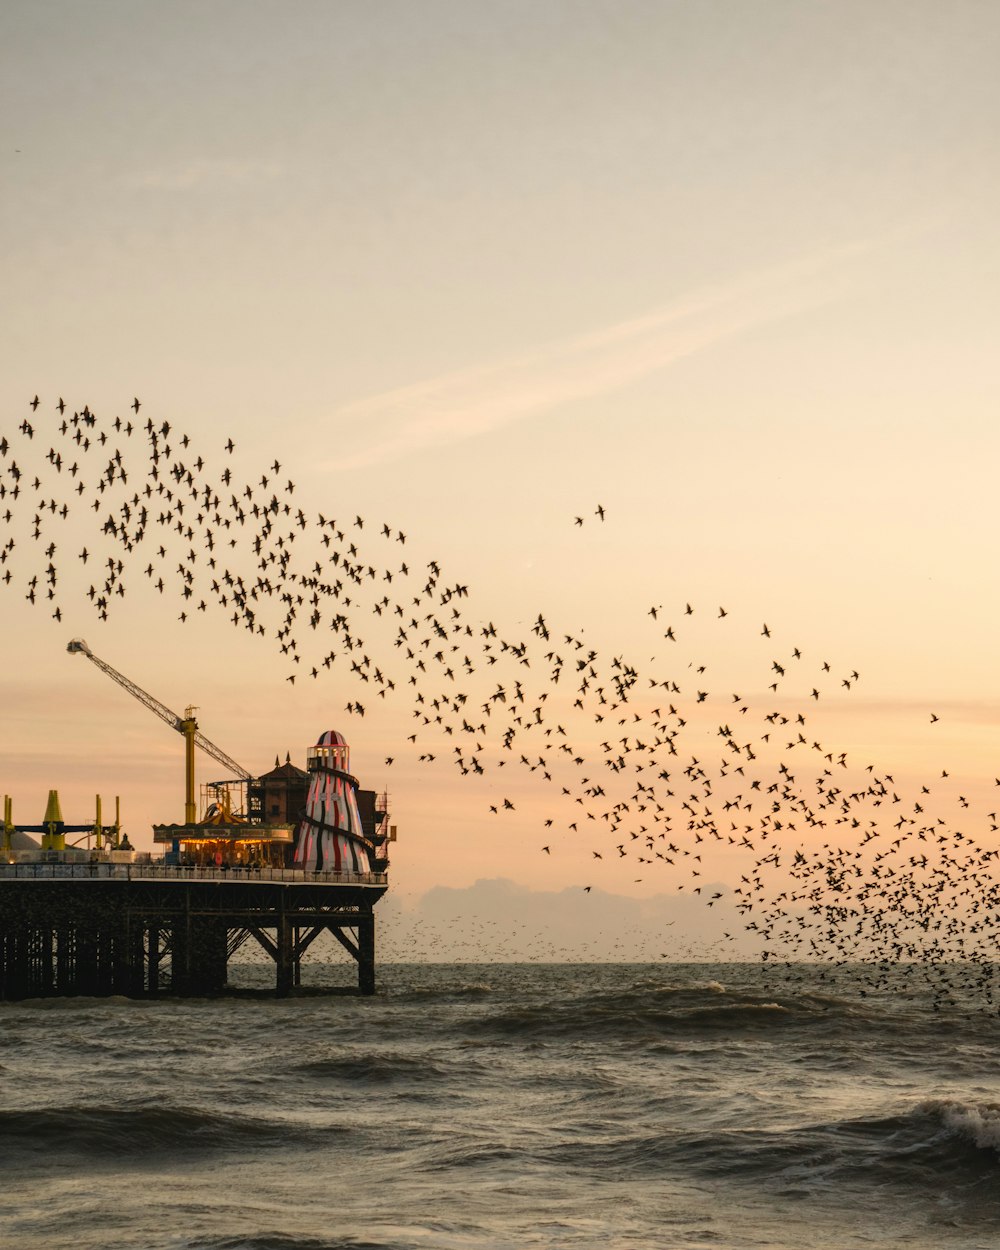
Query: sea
473, 1106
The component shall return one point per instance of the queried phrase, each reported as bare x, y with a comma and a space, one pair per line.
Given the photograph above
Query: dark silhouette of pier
147, 930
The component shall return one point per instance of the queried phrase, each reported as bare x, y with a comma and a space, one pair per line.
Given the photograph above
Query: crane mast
186, 725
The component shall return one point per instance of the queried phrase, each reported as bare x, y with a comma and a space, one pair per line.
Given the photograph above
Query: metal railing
176, 872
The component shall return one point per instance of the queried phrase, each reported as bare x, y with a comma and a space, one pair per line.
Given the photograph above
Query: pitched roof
286, 771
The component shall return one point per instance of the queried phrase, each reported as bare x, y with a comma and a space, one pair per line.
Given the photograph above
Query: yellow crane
185, 725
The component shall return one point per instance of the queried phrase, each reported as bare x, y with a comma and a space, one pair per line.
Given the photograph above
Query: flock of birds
835, 864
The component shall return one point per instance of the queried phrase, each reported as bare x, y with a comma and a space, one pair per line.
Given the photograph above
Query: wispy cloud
460, 405
198, 173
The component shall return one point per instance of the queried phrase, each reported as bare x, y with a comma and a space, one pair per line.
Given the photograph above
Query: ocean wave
935, 1146
933, 1130
446, 993
949, 1146
72, 1002
486, 1155
384, 1069
628, 1016
106, 1132
286, 1241
942, 1144
978, 1123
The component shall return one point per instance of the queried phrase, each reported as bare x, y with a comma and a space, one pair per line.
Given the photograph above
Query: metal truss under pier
141, 931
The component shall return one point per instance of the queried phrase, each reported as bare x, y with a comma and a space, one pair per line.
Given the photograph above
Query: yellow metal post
54, 839
189, 727
8, 825
98, 831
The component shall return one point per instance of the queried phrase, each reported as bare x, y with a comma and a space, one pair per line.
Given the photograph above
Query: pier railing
177, 872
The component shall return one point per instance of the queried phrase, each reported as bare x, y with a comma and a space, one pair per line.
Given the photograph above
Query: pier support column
86, 980
65, 959
285, 958
366, 953
128, 972
46, 966
153, 960
19, 965
200, 956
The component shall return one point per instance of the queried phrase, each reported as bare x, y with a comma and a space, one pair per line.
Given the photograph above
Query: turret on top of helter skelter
331, 836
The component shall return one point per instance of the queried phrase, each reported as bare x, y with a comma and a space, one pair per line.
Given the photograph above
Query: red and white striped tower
331, 837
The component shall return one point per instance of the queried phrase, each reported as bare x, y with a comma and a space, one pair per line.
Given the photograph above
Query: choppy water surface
505, 1106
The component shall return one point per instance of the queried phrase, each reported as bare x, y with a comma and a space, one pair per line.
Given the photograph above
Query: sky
727, 270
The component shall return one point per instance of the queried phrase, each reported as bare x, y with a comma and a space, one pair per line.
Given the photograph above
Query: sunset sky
730, 271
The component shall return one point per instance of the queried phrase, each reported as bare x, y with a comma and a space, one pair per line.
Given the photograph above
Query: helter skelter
332, 835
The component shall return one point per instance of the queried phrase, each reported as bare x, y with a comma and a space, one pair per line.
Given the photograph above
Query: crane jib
178, 723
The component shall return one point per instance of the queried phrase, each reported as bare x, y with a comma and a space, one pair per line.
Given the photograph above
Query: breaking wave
949, 1146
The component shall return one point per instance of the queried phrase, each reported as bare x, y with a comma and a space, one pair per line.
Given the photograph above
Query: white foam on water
979, 1123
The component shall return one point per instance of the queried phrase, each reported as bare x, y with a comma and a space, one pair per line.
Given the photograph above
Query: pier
306, 856
144, 930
